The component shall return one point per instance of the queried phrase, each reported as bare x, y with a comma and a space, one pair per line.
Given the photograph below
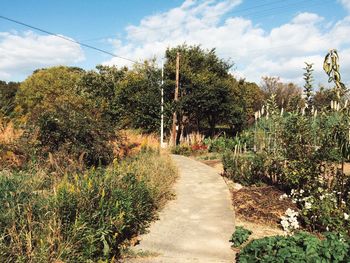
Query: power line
67, 39
154, 28
138, 30
114, 55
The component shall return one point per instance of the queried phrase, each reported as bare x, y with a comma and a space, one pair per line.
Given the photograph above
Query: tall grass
81, 217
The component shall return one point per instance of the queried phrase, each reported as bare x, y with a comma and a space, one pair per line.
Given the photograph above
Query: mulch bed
260, 204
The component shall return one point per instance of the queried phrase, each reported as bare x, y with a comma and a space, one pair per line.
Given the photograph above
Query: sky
261, 38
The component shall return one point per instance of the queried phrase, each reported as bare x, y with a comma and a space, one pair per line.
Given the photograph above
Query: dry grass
9, 156
159, 173
130, 143
8, 133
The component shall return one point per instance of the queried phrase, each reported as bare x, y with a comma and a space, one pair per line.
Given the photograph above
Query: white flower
289, 222
291, 212
301, 191
308, 205
321, 197
283, 196
346, 216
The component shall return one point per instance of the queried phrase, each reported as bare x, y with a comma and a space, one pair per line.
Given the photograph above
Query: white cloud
280, 51
346, 4
20, 54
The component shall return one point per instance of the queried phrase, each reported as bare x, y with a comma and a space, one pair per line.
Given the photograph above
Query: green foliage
7, 97
301, 247
101, 87
100, 210
240, 236
245, 169
302, 153
181, 150
83, 217
138, 98
308, 89
209, 95
58, 118
220, 144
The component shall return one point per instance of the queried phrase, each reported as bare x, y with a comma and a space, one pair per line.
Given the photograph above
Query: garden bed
260, 204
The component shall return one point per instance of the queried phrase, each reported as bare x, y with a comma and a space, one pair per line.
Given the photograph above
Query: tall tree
206, 95
138, 98
287, 94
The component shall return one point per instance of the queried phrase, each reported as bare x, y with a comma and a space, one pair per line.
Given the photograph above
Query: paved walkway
197, 225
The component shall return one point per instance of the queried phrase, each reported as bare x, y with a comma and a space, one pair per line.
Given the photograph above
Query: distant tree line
76, 110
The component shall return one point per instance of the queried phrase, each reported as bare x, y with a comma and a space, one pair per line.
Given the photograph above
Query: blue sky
266, 37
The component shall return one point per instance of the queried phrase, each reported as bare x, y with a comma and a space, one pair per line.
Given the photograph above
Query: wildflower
346, 216
289, 221
283, 196
308, 205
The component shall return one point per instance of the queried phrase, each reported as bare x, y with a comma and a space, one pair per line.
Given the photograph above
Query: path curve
197, 225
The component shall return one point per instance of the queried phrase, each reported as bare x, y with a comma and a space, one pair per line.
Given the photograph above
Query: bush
220, 144
240, 236
301, 247
57, 118
7, 95
181, 150
322, 210
244, 168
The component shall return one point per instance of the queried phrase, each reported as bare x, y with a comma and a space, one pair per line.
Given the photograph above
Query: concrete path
197, 225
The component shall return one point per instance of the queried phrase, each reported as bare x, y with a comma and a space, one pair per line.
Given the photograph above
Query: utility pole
162, 109
174, 130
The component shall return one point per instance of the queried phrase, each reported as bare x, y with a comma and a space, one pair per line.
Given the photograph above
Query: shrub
7, 95
58, 118
181, 150
220, 144
322, 210
301, 247
240, 236
244, 168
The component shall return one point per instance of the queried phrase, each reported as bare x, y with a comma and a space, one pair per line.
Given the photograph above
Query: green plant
240, 236
58, 118
245, 169
308, 89
182, 150
220, 144
81, 217
302, 247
